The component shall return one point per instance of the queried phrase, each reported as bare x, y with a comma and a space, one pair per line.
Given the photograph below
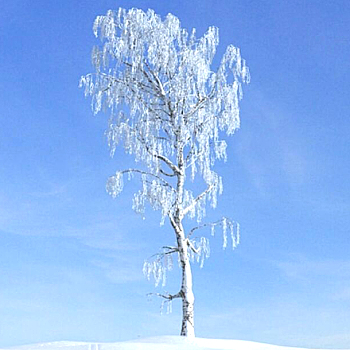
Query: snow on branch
157, 191
168, 298
199, 250
228, 227
158, 265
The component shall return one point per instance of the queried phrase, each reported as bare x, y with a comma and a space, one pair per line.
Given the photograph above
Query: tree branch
173, 223
166, 160
155, 76
195, 201
166, 174
168, 296
210, 224
190, 244
164, 182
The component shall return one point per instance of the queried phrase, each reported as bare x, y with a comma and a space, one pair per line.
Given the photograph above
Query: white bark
187, 327
186, 291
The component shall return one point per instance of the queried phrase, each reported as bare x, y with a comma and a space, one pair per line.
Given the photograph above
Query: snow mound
158, 343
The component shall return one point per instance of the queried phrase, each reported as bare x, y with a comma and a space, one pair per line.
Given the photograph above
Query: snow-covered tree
168, 109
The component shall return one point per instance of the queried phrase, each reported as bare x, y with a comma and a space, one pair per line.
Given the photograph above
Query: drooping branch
168, 296
210, 224
197, 199
158, 264
174, 168
226, 223
135, 91
164, 182
166, 251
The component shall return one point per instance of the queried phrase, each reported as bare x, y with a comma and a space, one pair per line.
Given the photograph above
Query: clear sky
71, 257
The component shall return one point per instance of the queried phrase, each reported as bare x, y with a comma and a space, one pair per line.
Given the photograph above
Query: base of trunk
187, 328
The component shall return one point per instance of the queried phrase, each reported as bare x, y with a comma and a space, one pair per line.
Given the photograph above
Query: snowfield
158, 343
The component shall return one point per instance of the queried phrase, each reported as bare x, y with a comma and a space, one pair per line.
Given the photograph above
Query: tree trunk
187, 328
186, 292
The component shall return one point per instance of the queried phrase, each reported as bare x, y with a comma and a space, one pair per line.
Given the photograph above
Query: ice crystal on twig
158, 265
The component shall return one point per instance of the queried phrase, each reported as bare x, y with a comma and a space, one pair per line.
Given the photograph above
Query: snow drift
158, 343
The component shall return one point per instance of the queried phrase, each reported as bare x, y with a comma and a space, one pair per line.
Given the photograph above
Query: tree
168, 109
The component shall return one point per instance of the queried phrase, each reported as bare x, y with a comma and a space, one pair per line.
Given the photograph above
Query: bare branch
168, 296
170, 248
166, 174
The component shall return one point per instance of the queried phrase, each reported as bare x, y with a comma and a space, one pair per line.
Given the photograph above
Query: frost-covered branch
193, 248
199, 247
158, 192
167, 296
226, 224
138, 171
155, 76
199, 250
158, 265
197, 199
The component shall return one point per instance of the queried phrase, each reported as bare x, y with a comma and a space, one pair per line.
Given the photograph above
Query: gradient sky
71, 257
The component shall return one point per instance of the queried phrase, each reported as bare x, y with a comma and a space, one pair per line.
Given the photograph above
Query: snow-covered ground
158, 343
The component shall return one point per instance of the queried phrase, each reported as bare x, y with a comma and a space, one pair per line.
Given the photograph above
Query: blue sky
71, 257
